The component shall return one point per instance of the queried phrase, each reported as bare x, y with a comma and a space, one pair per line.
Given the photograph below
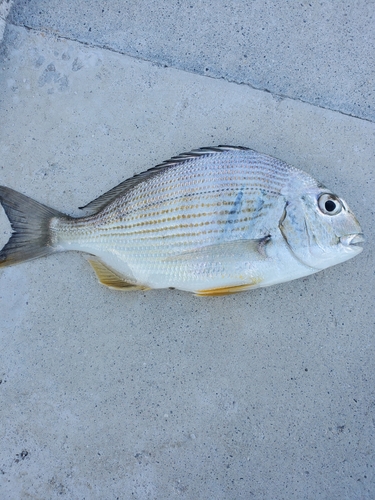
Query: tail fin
30, 221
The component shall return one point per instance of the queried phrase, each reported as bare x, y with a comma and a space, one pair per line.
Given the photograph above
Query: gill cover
294, 229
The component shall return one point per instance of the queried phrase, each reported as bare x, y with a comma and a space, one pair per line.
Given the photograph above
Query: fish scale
212, 221
184, 230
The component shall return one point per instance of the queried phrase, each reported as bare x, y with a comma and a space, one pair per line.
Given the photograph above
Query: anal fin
109, 278
216, 292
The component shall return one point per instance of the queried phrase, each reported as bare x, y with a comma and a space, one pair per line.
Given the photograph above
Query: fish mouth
352, 240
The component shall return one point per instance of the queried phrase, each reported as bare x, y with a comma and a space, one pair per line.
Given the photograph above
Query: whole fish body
212, 221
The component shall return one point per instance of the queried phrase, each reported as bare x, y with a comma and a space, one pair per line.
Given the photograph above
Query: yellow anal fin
109, 278
215, 292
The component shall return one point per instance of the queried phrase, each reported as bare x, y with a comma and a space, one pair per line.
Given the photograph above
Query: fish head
320, 229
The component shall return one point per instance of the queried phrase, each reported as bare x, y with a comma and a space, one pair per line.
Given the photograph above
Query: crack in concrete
164, 65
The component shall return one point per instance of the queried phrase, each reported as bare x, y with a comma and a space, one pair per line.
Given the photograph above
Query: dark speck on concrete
21, 456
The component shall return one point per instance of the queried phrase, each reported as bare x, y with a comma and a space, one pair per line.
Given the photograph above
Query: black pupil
330, 205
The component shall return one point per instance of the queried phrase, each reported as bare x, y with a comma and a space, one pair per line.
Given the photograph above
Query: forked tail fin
30, 221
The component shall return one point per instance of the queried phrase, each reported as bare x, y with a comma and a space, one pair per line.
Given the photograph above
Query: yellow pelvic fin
109, 278
212, 292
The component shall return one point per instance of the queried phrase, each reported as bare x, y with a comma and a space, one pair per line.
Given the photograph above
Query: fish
214, 221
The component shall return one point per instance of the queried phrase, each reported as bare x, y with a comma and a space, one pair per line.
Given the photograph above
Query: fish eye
329, 204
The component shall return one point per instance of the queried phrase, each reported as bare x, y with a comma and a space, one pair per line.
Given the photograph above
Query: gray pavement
267, 394
319, 52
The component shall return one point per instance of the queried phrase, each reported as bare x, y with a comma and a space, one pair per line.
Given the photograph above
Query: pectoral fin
109, 278
254, 250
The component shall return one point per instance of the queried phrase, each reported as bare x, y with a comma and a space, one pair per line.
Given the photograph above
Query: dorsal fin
106, 198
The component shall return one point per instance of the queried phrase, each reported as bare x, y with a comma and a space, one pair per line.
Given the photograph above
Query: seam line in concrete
163, 65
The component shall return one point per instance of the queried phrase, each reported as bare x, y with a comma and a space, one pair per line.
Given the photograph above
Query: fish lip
352, 240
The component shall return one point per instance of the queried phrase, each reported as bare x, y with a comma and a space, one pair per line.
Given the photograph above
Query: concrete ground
267, 394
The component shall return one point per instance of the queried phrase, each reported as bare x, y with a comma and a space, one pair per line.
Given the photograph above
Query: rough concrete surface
5, 6
322, 52
267, 394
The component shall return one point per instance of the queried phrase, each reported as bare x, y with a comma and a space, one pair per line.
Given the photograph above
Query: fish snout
352, 240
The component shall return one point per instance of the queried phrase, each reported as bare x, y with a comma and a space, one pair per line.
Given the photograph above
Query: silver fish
212, 221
